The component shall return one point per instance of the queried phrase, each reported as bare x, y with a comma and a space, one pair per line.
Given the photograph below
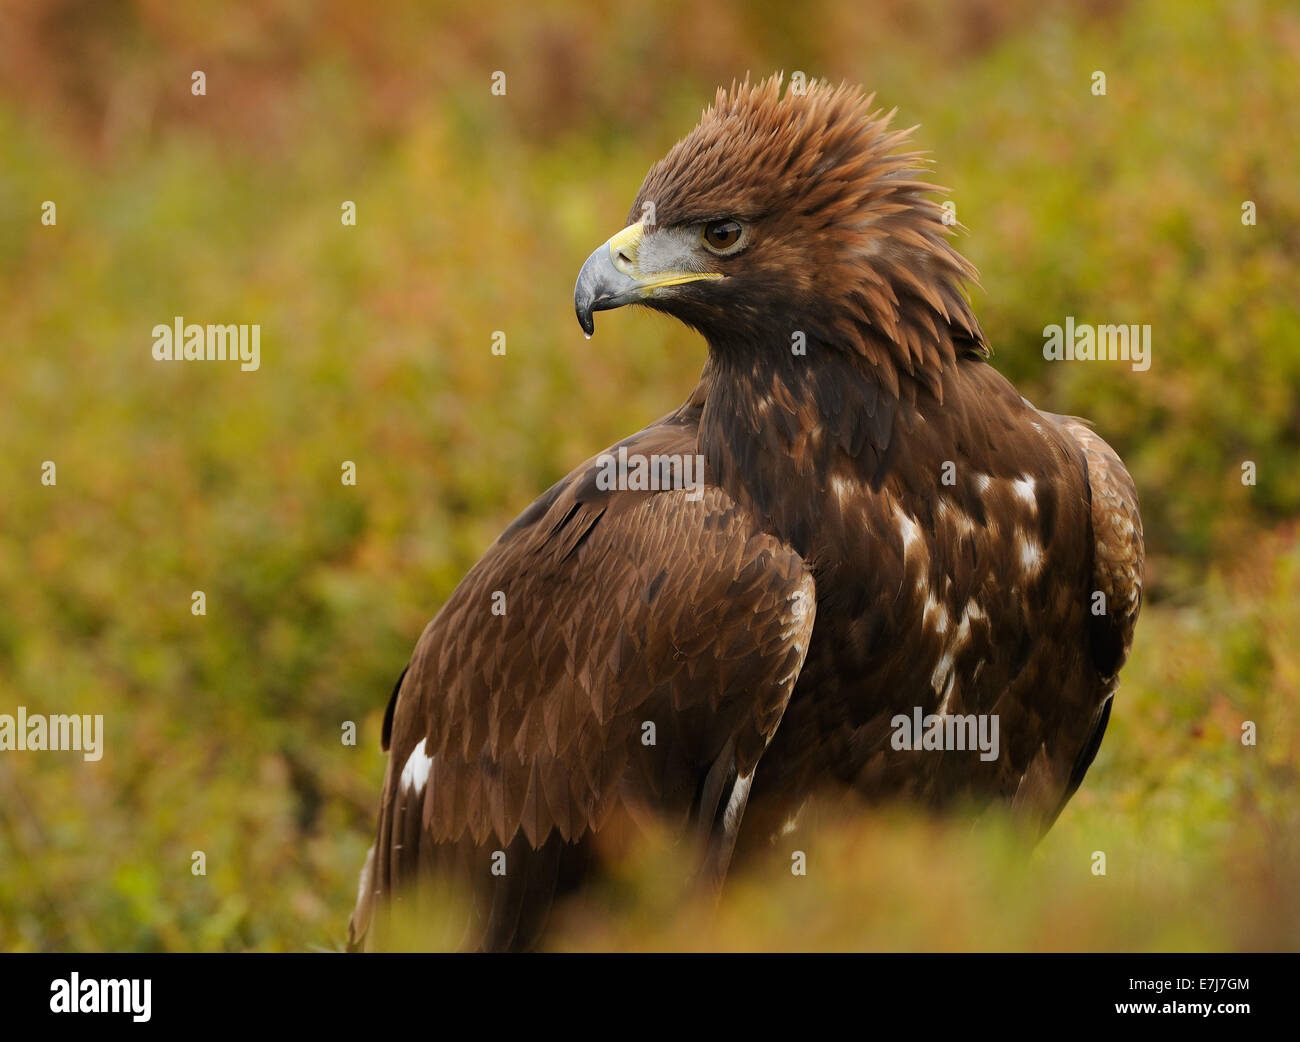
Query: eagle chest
936, 614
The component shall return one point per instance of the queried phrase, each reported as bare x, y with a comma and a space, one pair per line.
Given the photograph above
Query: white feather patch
416, 772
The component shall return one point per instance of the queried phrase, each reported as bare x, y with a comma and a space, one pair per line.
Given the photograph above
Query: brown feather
946, 537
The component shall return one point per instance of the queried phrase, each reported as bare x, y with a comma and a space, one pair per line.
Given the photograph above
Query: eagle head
781, 215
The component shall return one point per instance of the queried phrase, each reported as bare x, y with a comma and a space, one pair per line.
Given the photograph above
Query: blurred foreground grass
223, 731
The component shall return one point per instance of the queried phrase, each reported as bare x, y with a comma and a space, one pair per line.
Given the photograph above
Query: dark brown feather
622, 608
952, 535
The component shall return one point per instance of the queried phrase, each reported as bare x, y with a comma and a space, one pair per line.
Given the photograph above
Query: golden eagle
854, 524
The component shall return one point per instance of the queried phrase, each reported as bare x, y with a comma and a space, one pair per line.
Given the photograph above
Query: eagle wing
1119, 549
1118, 556
613, 651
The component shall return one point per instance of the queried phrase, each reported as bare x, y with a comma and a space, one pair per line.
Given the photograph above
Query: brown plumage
884, 525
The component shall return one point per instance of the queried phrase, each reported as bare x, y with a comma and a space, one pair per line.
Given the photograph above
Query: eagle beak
612, 277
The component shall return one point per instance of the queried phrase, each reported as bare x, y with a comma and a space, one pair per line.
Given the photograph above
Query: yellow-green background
474, 213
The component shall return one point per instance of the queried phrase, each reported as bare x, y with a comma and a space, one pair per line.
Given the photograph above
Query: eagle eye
723, 237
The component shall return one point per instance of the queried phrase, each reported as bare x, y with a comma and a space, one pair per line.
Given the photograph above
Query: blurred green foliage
474, 212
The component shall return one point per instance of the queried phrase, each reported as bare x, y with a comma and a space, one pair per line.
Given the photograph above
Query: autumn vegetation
224, 731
